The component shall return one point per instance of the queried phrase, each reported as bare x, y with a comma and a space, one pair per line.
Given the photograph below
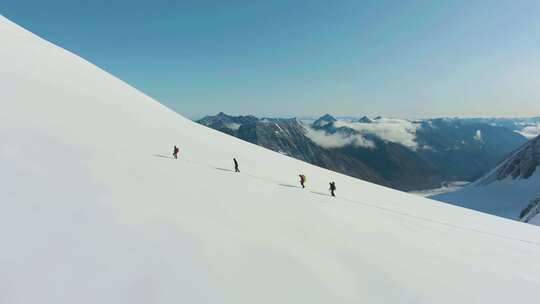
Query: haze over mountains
404, 154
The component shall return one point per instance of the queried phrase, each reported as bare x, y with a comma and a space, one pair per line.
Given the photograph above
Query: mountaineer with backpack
332, 188
175, 152
236, 165
302, 180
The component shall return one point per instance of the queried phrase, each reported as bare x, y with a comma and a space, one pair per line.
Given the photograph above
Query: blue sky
274, 58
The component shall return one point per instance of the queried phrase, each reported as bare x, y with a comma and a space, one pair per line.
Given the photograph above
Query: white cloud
530, 131
233, 126
478, 136
398, 131
337, 140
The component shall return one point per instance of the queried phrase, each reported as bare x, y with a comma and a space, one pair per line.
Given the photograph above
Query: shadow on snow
162, 156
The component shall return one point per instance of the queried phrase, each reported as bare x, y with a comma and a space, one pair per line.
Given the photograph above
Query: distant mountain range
289, 137
526, 126
403, 154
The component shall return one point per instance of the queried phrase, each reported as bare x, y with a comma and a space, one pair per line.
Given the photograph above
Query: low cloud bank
478, 136
336, 140
398, 131
233, 126
530, 131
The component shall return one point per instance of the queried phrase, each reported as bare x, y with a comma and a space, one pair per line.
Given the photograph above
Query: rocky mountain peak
324, 120
365, 119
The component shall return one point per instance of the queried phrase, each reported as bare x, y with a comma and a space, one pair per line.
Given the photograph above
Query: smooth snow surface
94, 210
506, 198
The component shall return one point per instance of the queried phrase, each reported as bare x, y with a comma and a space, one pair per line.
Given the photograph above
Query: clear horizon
418, 59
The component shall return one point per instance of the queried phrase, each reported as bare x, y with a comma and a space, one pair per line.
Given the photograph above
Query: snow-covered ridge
507, 189
520, 165
94, 210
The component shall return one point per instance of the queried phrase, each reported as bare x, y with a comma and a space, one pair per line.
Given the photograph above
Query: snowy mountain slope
508, 189
93, 210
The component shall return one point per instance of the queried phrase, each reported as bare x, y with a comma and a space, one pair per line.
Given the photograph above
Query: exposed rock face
324, 120
365, 119
531, 211
521, 165
227, 124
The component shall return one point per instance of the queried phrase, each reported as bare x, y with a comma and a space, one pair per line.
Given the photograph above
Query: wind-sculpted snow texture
93, 209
